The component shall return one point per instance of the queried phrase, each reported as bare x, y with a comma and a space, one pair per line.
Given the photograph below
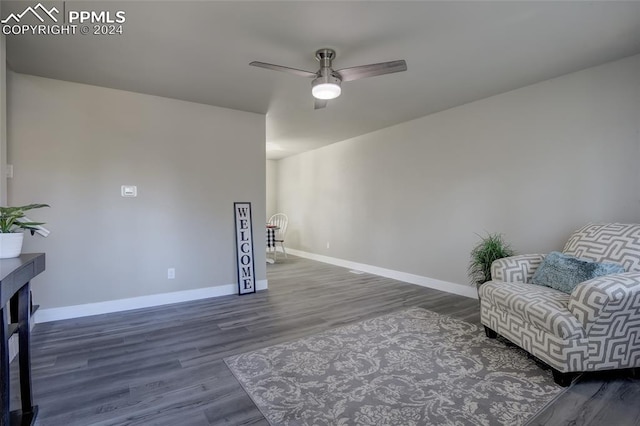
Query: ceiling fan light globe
326, 91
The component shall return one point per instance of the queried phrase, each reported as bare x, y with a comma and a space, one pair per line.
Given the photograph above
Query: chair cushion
564, 272
542, 307
611, 242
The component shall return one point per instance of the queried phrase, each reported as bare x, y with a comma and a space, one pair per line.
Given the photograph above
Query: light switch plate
129, 191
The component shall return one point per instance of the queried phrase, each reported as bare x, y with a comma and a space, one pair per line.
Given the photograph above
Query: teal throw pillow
564, 273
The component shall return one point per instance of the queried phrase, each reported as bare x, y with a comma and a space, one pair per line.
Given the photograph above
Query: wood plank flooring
164, 365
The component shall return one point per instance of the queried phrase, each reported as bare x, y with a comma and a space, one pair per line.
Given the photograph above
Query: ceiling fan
326, 82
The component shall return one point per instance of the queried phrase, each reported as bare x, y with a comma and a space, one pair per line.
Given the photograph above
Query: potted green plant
12, 227
490, 248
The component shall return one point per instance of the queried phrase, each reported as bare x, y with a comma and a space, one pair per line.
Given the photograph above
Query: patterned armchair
596, 327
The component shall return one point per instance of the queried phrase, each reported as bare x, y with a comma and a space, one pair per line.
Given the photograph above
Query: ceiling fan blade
320, 103
301, 73
371, 70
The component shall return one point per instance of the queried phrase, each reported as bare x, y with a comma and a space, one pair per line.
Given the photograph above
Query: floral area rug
412, 367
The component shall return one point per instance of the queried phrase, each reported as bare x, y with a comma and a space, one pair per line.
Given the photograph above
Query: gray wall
534, 163
3, 117
272, 188
74, 145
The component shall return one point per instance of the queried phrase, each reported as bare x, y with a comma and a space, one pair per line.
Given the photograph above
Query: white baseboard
449, 287
77, 311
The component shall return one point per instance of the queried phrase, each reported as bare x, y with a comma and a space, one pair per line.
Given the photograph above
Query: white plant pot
11, 245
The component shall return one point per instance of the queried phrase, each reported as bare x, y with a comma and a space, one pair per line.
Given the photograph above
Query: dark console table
15, 275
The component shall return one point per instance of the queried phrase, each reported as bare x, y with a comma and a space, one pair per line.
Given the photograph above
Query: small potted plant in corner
490, 248
12, 227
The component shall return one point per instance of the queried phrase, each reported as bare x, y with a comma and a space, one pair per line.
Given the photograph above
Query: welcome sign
244, 249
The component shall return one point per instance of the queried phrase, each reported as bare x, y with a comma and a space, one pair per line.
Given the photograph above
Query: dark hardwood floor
164, 365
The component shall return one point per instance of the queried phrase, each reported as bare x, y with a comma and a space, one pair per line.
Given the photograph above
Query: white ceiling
456, 52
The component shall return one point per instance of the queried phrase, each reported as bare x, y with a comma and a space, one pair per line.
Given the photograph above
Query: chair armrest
608, 305
516, 269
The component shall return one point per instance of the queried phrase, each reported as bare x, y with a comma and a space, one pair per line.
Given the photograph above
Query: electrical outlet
171, 273
328, 244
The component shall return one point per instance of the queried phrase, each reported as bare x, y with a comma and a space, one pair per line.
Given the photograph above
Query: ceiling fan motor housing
327, 84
